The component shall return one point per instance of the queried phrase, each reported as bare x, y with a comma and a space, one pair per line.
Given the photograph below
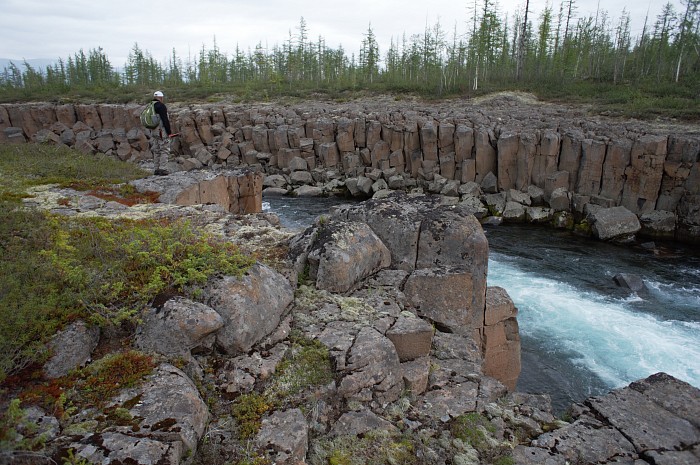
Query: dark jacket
162, 111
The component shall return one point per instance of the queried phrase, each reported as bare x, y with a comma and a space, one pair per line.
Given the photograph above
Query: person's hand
174, 135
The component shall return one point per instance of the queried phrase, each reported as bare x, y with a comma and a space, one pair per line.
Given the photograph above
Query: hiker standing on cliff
161, 139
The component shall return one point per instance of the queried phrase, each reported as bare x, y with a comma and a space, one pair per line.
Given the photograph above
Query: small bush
59, 269
248, 411
16, 432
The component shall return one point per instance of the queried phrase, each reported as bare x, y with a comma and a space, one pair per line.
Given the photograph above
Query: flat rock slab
657, 429
236, 191
654, 420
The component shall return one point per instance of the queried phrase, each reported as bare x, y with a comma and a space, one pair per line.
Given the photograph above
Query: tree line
554, 48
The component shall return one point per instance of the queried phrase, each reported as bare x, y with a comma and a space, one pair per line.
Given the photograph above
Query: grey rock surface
179, 326
252, 306
71, 348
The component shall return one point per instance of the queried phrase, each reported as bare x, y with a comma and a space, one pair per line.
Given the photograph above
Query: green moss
304, 277
307, 364
505, 460
338, 457
477, 431
583, 228
472, 428
563, 220
248, 411
120, 416
71, 459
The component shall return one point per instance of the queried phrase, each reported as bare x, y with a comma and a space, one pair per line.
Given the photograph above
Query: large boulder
345, 253
71, 348
238, 191
396, 223
251, 306
615, 223
445, 296
501, 338
450, 237
177, 327
660, 428
654, 420
172, 417
658, 224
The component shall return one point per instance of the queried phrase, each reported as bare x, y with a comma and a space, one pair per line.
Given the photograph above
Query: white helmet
158, 94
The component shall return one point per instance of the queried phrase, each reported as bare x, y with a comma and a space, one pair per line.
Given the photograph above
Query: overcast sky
49, 29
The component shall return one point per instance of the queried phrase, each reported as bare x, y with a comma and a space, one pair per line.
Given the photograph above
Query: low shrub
248, 411
55, 269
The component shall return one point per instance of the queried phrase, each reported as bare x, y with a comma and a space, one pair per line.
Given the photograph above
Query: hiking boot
160, 172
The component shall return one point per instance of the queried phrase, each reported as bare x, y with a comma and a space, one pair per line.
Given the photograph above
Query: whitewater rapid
605, 336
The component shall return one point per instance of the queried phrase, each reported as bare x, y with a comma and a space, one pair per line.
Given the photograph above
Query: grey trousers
160, 147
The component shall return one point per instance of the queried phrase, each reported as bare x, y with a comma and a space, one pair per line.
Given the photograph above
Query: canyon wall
504, 144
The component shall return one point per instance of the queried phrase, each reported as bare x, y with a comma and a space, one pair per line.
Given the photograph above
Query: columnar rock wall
504, 144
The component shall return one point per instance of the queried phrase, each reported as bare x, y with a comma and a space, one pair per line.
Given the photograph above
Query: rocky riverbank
522, 160
371, 337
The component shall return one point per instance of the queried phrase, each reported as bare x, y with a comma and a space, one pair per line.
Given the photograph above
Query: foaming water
583, 335
599, 334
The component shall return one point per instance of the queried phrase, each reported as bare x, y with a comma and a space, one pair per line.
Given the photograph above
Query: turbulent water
582, 335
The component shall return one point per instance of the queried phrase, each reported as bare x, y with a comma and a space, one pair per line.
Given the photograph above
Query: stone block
412, 337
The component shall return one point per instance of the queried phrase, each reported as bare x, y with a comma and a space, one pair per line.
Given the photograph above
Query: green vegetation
473, 429
91, 386
375, 447
27, 165
248, 412
555, 55
101, 380
306, 366
56, 269
16, 431
477, 431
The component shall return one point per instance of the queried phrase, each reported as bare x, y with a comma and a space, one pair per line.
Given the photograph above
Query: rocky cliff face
580, 163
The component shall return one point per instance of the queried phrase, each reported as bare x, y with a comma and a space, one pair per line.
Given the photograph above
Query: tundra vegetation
56, 269
555, 54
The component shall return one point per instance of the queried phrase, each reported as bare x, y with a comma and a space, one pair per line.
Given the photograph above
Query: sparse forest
554, 54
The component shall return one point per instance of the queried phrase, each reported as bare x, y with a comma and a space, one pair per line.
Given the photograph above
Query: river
582, 335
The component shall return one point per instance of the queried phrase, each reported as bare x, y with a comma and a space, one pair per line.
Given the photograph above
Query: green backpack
149, 117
